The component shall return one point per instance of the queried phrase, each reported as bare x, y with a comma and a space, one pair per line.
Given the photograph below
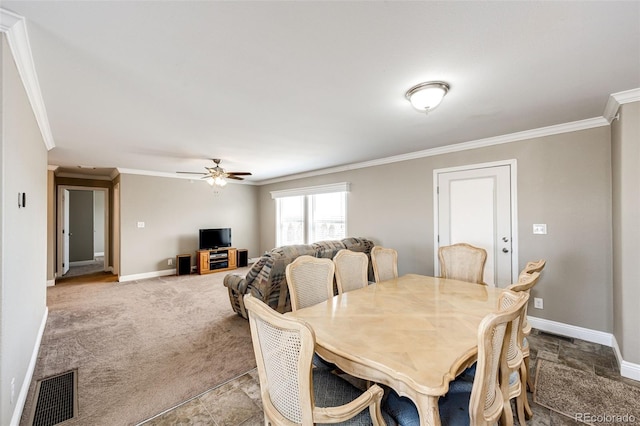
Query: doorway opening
83, 231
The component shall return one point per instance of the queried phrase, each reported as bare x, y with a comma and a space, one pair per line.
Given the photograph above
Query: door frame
513, 164
116, 229
60, 224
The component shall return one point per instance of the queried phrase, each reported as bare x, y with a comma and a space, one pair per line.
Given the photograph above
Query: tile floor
238, 402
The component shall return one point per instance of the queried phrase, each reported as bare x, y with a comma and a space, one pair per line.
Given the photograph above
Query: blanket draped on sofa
266, 279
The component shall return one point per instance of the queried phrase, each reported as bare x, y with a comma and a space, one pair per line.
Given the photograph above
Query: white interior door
476, 205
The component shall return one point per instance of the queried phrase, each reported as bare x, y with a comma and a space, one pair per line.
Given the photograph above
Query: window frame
308, 193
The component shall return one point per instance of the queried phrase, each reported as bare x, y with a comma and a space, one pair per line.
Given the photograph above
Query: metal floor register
56, 399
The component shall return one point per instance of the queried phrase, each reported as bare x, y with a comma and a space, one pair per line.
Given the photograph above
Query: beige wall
173, 211
23, 234
563, 181
625, 142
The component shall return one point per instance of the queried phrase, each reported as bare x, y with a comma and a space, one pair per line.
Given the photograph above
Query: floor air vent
56, 399
557, 336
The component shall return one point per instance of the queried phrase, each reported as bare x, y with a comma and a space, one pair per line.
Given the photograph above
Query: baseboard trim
145, 275
51, 283
569, 330
24, 389
627, 369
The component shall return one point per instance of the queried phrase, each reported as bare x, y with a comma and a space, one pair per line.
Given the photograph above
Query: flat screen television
214, 238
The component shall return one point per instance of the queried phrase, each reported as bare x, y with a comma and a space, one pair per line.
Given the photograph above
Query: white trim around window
311, 190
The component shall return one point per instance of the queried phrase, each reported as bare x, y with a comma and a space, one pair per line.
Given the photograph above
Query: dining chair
511, 372
534, 266
480, 402
462, 262
351, 270
385, 263
292, 391
525, 283
310, 280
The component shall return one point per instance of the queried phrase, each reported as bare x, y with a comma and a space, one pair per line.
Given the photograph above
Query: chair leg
506, 419
524, 379
529, 380
520, 407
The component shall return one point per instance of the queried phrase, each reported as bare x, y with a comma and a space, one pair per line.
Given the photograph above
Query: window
307, 215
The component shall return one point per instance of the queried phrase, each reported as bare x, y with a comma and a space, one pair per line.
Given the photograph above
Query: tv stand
216, 260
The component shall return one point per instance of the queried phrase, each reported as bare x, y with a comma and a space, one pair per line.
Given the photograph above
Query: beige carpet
586, 397
141, 347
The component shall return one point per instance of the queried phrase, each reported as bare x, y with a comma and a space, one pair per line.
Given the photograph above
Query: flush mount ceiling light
426, 96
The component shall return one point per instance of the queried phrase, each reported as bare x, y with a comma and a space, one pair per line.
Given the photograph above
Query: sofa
266, 279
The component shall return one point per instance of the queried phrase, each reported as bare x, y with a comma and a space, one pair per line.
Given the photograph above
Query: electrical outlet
12, 398
538, 303
170, 261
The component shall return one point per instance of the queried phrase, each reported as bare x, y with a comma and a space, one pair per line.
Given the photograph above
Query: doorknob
505, 250
505, 239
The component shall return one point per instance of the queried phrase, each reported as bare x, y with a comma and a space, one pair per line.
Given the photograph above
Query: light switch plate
539, 228
140, 224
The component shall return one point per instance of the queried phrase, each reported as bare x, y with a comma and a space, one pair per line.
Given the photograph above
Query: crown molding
627, 96
83, 176
480, 143
15, 27
617, 99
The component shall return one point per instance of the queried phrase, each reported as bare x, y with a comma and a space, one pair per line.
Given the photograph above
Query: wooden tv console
216, 260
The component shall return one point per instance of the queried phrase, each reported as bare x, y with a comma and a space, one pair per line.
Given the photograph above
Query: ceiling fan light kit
219, 181
425, 97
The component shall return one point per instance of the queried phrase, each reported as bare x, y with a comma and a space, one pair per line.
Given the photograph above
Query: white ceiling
280, 88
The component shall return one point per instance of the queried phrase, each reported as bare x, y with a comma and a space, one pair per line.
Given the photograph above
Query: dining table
414, 333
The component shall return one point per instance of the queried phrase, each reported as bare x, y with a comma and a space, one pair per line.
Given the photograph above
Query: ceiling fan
217, 175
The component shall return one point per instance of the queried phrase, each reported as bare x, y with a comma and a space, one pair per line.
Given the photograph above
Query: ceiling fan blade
234, 177
239, 173
192, 173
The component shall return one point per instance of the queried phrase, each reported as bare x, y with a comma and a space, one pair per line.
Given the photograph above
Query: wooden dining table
414, 333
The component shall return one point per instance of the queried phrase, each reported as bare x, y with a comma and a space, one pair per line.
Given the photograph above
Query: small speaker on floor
183, 264
243, 258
